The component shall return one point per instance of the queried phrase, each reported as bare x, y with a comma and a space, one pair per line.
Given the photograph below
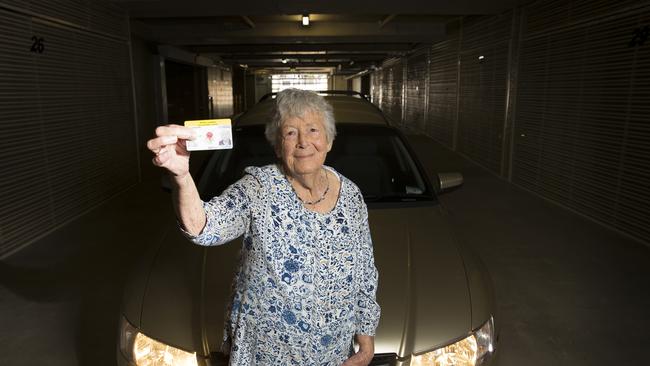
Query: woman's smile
303, 156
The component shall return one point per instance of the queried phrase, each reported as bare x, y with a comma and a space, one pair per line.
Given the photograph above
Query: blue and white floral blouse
306, 282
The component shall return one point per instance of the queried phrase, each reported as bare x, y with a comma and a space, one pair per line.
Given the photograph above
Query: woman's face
303, 144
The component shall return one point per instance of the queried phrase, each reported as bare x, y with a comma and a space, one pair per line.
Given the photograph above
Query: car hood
423, 286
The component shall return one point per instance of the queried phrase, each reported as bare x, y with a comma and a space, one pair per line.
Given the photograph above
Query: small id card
211, 134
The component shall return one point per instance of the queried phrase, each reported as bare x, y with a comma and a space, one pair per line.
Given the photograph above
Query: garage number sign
38, 44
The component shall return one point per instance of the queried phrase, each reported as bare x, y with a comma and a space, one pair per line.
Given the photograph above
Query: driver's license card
211, 134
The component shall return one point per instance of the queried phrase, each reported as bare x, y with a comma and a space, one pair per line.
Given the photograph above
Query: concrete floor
569, 291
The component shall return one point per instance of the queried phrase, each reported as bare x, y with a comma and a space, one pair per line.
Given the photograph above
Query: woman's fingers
157, 144
161, 157
168, 145
156, 160
181, 132
169, 135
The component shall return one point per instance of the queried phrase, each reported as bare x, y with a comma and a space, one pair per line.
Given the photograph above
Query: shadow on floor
64, 303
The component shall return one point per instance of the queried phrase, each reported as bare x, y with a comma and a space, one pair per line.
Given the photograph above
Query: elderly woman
306, 284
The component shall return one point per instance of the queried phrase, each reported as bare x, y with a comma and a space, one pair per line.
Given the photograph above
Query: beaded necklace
322, 197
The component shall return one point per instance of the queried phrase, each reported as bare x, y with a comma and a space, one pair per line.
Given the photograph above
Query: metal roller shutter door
443, 88
392, 85
385, 92
582, 127
376, 90
91, 15
220, 90
483, 84
66, 116
416, 80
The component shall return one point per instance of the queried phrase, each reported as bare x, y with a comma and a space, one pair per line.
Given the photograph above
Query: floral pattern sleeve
227, 216
368, 310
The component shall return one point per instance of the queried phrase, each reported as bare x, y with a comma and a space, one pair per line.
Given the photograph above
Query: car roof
347, 109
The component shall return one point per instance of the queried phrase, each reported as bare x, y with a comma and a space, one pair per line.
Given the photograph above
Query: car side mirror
449, 181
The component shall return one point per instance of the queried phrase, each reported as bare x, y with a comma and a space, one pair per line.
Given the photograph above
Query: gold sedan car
436, 297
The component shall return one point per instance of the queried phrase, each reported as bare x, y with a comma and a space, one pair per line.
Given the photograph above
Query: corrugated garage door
220, 92
416, 85
443, 86
582, 130
376, 89
392, 83
483, 82
66, 115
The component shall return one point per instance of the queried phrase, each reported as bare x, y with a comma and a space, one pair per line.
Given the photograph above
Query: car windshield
373, 157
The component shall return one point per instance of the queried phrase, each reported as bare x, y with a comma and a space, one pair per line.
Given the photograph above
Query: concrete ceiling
346, 36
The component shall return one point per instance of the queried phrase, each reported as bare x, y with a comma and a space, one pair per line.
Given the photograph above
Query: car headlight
473, 350
141, 350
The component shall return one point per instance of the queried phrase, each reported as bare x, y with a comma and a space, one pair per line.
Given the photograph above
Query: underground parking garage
542, 106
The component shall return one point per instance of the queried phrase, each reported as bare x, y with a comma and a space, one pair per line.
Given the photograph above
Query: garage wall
582, 125
442, 109
263, 85
66, 114
356, 84
416, 88
376, 90
220, 92
148, 108
392, 84
338, 82
553, 96
483, 61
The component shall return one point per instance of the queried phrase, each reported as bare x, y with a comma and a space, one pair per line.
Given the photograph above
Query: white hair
291, 103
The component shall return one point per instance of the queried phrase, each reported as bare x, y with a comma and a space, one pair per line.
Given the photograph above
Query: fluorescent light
305, 20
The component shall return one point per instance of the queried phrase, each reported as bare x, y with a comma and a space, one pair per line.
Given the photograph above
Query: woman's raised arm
170, 153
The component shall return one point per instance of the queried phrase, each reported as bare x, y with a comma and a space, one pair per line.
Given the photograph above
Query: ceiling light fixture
305, 20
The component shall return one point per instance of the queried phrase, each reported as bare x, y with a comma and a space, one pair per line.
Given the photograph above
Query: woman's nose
301, 139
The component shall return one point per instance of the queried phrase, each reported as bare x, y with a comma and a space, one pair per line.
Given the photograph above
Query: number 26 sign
38, 44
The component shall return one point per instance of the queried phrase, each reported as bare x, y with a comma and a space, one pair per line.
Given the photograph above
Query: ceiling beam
197, 8
364, 48
307, 56
300, 62
283, 32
